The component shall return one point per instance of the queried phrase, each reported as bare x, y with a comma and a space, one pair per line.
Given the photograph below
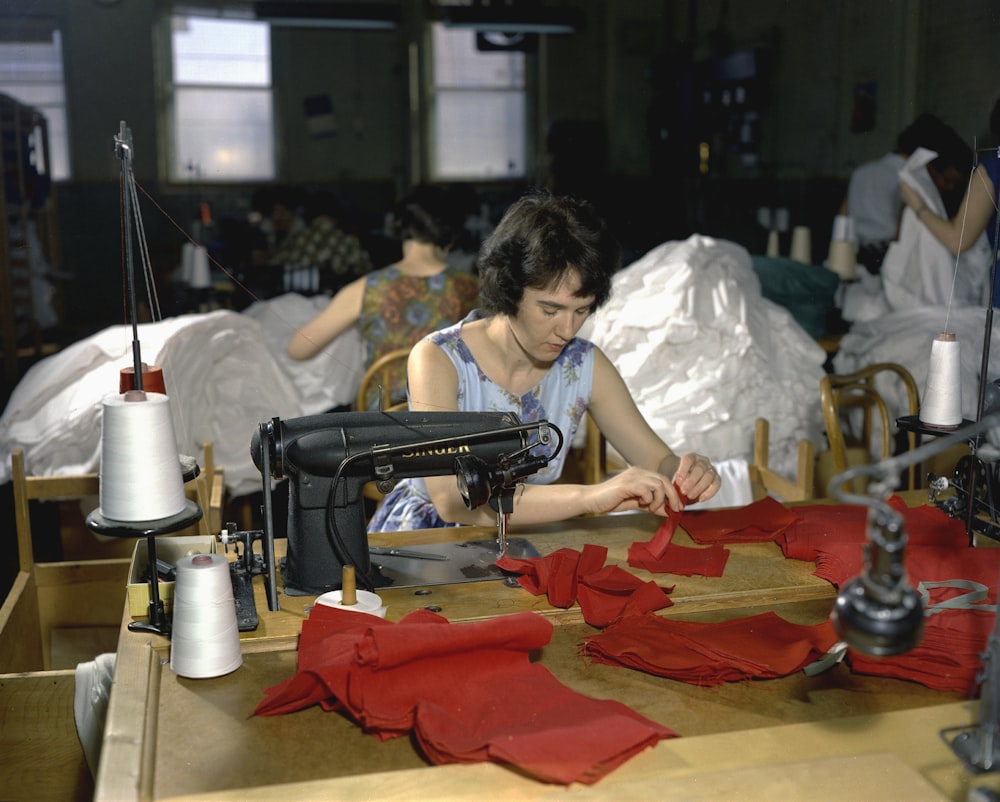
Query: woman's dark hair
429, 214
539, 239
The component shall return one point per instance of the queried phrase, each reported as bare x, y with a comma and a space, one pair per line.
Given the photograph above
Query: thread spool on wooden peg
348, 587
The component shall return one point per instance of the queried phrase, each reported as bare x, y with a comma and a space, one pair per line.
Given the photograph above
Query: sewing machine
329, 458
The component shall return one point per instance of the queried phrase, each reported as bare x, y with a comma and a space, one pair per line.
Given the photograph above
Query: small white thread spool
140, 474
773, 245
801, 245
843, 259
942, 401
205, 637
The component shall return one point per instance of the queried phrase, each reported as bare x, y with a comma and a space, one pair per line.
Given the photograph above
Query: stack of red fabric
605, 593
467, 692
757, 647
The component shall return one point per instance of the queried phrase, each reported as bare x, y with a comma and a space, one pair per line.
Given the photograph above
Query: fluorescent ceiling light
521, 19
349, 16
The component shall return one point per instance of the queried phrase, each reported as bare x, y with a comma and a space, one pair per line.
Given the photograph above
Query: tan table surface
169, 737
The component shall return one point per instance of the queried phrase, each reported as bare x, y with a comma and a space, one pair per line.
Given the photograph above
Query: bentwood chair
860, 411
771, 482
383, 385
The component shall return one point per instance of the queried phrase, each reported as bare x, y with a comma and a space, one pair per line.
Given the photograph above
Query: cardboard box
168, 549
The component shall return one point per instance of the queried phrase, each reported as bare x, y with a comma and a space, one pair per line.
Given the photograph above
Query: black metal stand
157, 621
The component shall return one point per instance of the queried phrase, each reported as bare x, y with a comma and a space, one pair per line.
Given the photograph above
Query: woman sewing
545, 269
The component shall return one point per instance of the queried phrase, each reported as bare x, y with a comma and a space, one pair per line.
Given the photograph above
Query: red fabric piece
611, 593
605, 593
758, 522
660, 555
756, 647
555, 575
441, 682
660, 542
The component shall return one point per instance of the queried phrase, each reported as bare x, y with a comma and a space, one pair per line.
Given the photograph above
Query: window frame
57, 160
430, 90
167, 90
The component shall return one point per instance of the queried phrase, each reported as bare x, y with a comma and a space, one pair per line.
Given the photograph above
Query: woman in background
397, 305
978, 211
546, 267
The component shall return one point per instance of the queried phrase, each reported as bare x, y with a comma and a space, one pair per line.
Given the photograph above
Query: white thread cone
201, 276
140, 475
773, 246
942, 401
205, 637
801, 245
843, 259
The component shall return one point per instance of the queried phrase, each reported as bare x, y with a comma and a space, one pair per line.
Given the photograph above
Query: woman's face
548, 319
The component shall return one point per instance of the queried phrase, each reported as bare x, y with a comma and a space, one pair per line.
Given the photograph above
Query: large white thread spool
140, 474
942, 401
205, 637
801, 245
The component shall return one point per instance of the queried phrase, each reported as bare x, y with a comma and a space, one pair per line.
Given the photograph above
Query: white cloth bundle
705, 354
224, 372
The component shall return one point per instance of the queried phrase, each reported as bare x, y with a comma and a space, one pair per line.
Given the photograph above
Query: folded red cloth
467, 692
605, 593
761, 646
758, 522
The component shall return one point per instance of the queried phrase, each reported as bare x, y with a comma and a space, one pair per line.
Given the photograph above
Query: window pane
479, 135
32, 73
223, 134
221, 52
30, 62
458, 64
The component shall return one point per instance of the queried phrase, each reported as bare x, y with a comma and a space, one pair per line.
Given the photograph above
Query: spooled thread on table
205, 637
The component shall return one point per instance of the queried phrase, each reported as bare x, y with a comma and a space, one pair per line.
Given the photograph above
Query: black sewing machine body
329, 458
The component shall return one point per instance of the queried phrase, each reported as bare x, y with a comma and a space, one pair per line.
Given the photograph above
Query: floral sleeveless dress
398, 310
561, 398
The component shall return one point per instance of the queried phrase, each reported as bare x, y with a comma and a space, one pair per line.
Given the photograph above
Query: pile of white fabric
705, 354
224, 373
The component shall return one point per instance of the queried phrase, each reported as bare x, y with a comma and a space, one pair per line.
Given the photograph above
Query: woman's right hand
633, 489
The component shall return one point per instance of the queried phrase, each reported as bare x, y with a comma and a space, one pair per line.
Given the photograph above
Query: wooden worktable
170, 737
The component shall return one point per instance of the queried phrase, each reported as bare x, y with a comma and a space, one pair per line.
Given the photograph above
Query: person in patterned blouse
397, 305
543, 271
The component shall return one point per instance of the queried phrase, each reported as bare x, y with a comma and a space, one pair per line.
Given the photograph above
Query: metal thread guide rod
123, 150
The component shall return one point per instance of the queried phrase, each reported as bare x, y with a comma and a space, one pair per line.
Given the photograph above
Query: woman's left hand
696, 478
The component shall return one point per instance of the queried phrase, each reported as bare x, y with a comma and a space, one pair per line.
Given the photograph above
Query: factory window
222, 119
31, 72
477, 109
